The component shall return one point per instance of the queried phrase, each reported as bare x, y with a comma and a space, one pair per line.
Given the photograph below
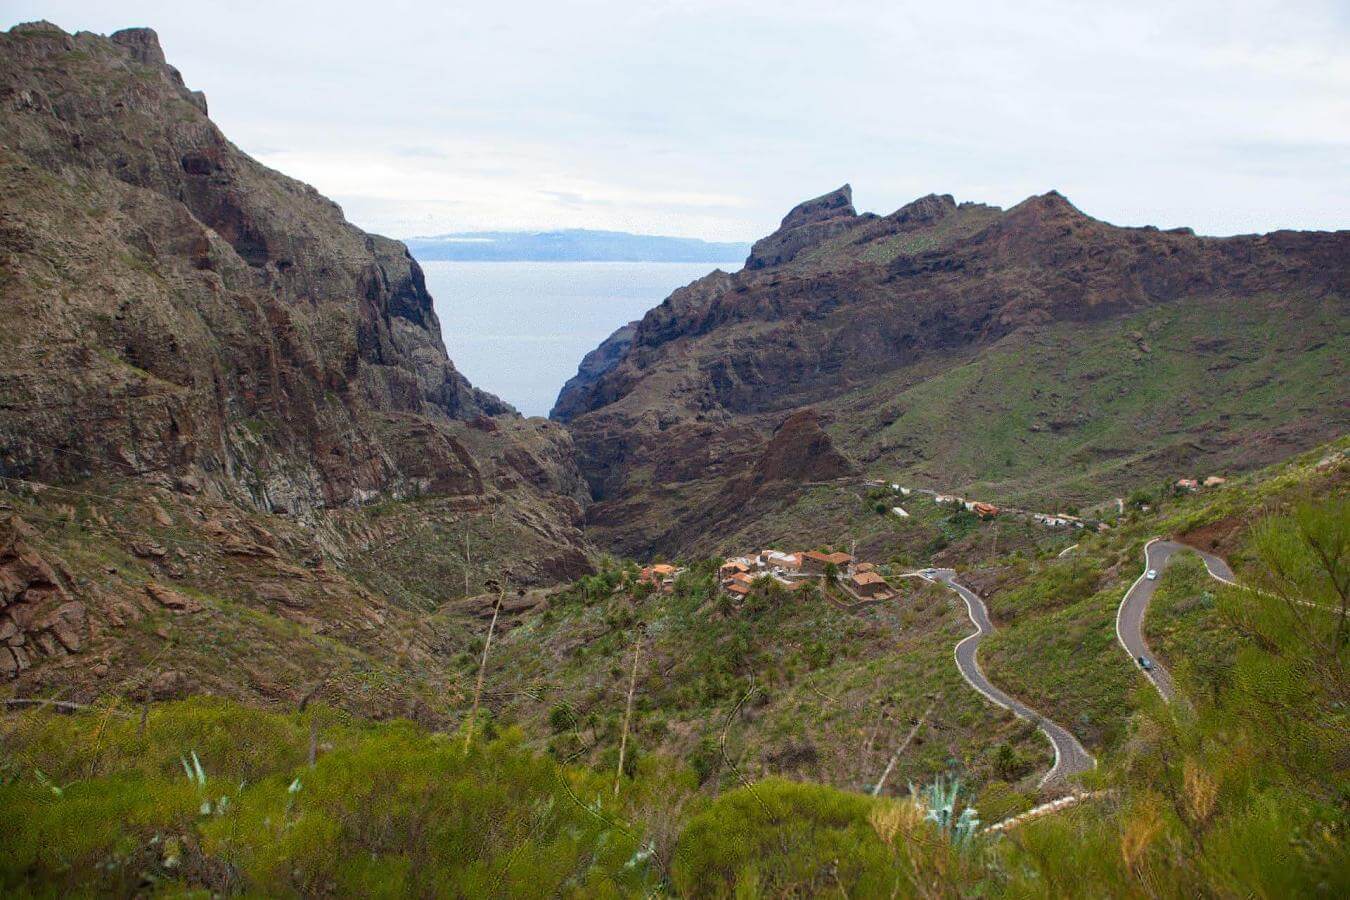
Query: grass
1065, 430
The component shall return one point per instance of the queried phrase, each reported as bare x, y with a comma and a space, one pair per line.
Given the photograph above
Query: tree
831, 573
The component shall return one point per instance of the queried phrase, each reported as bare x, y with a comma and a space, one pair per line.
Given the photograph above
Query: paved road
1070, 757
1158, 555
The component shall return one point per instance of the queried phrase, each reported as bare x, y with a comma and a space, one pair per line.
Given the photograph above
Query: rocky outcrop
800, 450
38, 618
593, 366
178, 311
840, 312
807, 225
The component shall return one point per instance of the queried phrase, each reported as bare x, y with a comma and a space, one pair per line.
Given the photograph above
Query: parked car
1144, 663
1152, 575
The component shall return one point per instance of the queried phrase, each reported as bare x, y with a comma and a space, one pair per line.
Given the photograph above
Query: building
868, 585
899, 512
661, 574
1187, 484
1214, 481
731, 567
788, 562
814, 562
984, 510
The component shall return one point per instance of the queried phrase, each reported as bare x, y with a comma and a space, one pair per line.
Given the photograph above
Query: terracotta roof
737, 588
663, 569
836, 558
867, 567
868, 578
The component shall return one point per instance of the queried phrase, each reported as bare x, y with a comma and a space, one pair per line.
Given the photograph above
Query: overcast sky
711, 119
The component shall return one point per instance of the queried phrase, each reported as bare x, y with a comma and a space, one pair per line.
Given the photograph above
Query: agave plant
940, 800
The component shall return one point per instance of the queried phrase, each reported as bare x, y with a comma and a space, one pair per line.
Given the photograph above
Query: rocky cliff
179, 321
174, 308
1028, 350
593, 366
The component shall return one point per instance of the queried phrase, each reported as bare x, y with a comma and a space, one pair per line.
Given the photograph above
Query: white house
899, 512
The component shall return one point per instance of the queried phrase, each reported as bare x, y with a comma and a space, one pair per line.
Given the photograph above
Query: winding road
1070, 757
1158, 555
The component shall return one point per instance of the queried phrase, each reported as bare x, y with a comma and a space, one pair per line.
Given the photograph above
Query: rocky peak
925, 209
838, 202
143, 44
806, 225
1047, 207
594, 366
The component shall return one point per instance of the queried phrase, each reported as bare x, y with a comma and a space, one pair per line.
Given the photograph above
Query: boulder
171, 599
171, 685
148, 550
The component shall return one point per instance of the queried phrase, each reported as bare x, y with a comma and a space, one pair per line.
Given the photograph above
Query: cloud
710, 119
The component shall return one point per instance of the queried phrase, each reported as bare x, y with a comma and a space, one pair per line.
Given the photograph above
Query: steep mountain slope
178, 321
173, 306
1032, 351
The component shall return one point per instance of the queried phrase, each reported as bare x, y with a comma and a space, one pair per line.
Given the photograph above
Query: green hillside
1055, 413
1203, 798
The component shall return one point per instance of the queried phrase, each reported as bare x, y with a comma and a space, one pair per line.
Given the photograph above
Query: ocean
519, 329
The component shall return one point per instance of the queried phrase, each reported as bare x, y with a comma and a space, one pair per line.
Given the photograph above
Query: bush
391, 810
782, 838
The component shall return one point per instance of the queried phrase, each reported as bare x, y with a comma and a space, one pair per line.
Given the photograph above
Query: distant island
572, 245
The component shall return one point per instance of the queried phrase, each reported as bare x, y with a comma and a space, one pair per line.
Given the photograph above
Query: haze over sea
519, 329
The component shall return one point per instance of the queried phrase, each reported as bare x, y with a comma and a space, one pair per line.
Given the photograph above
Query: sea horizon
519, 329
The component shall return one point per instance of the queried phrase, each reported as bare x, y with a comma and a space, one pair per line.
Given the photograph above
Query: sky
712, 119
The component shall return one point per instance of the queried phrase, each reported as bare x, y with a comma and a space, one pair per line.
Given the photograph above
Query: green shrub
783, 838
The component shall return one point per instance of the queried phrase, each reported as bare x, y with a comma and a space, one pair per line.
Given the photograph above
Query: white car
1151, 575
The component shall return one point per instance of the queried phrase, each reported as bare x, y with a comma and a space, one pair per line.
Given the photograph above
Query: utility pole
628, 711
466, 558
482, 666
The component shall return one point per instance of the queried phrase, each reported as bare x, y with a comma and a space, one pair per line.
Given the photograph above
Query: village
861, 581
1050, 520
865, 582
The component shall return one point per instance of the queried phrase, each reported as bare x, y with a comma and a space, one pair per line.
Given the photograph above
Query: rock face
886, 324
807, 225
179, 322
800, 450
38, 618
174, 309
593, 366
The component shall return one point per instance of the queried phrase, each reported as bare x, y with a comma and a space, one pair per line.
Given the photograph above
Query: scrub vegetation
1240, 790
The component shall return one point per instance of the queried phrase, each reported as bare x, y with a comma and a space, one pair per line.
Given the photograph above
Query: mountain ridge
835, 304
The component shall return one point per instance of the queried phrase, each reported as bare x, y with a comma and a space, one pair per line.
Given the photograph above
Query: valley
290, 606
